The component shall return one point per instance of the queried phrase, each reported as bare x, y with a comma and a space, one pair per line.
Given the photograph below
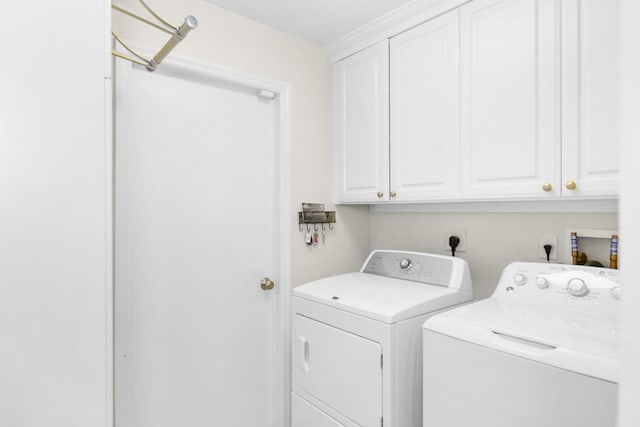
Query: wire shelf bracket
177, 35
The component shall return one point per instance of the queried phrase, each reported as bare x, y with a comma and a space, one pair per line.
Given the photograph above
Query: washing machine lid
381, 298
585, 343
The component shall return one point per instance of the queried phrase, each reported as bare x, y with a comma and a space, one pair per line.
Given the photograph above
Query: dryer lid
381, 298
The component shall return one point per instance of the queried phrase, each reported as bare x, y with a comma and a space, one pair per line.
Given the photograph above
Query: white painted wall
53, 215
629, 415
230, 40
493, 239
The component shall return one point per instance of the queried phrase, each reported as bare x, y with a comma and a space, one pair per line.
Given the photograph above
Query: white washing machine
357, 339
541, 352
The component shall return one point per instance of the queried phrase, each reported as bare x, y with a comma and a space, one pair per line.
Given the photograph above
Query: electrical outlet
548, 239
462, 235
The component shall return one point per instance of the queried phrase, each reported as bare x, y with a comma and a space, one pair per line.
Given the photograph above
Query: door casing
178, 66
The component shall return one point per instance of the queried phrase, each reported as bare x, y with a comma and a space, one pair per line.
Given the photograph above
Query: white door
510, 105
362, 125
590, 97
195, 202
424, 82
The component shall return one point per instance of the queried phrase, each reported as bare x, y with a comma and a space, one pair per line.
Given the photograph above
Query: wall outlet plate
548, 239
462, 235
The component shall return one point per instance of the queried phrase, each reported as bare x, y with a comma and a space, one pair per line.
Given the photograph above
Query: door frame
178, 66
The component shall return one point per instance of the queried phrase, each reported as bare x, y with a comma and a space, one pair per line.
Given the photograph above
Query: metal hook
331, 227
308, 228
315, 227
323, 226
300, 227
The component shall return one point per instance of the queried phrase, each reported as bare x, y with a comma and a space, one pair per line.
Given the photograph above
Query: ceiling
319, 21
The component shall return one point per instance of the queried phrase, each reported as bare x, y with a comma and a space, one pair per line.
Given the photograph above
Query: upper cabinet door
510, 105
424, 85
362, 125
590, 97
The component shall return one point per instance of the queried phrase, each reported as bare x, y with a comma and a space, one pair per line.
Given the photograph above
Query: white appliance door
340, 369
470, 385
194, 236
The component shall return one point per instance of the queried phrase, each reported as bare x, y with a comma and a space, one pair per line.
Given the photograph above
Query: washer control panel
421, 267
569, 286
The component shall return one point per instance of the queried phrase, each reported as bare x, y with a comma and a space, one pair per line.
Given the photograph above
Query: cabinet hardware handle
393, 194
380, 194
547, 187
571, 185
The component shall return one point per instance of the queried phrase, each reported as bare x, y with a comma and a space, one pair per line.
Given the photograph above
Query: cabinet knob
547, 187
571, 185
380, 194
393, 194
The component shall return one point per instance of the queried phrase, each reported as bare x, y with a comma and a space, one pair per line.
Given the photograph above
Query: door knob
266, 284
571, 185
393, 194
547, 187
380, 194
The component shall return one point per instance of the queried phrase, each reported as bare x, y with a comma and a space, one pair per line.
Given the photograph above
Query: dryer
356, 357
541, 351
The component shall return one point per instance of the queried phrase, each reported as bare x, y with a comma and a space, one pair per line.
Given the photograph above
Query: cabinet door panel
509, 99
590, 96
424, 84
362, 125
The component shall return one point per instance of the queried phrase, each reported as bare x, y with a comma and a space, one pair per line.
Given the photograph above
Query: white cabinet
424, 83
590, 97
509, 99
362, 125
495, 100
418, 159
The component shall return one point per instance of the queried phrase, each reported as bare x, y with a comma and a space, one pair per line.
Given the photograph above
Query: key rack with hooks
313, 216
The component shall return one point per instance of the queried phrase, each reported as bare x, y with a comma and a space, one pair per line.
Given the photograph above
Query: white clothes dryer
541, 352
357, 339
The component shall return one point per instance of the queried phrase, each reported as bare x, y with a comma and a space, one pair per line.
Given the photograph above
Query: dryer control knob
542, 282
405, 264
519, 279
577, 287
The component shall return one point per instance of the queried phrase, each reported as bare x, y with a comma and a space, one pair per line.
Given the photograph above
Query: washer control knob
519, 279
616, 292
405, 264
577, 287
542, 282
